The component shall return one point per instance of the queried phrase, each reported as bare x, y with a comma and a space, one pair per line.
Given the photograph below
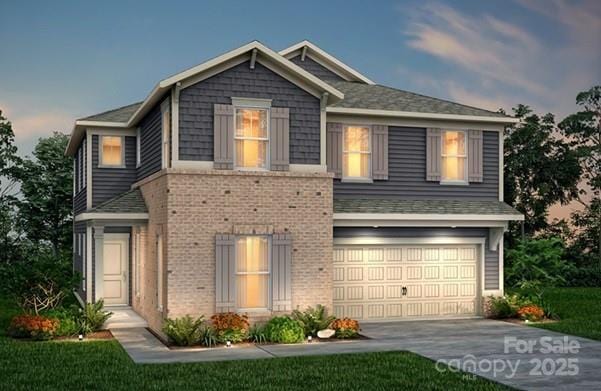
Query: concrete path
476, 346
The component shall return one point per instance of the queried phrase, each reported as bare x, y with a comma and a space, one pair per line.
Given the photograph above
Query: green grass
579, 310
104, 365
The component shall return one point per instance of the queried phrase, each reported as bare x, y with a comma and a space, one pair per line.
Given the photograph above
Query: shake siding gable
197, 111
316, 68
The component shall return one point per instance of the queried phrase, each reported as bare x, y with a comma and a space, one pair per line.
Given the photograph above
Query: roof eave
412, 114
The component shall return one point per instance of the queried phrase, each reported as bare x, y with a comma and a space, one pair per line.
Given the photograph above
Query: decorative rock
325, 334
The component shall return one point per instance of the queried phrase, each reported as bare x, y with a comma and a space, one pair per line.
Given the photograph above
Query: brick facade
202, 204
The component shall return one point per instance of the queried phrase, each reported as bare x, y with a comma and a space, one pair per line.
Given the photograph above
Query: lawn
579, 310
105, 365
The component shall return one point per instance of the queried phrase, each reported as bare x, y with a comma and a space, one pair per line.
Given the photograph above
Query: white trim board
426, 217
388, 241
419, 223
111, 216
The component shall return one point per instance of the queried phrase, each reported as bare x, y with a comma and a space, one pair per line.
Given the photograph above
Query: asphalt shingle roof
120, 114
378, 97
130, 202
368, 205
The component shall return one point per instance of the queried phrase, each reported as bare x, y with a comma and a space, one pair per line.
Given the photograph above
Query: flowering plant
531, 313
33, 326
230, 326
346, 328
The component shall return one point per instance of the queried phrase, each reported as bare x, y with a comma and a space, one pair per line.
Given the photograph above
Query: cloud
30, 125
505, 63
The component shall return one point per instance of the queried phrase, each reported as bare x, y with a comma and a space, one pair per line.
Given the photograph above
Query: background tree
541, 169
584, 132
46, 188
10, 165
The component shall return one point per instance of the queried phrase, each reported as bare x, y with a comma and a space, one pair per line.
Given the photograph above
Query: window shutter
279, 142
433, 154
474, 156
379, 152
223, 141
281, 261
334, 148
225, 264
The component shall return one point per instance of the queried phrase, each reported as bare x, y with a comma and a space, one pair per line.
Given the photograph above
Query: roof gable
306, 48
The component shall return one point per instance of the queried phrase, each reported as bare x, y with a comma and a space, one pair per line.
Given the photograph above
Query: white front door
116, 274
405, 281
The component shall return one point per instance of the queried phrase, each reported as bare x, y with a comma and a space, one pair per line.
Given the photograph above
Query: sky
64, 60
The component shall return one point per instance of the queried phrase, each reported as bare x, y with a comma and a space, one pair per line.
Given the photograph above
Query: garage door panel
439, 280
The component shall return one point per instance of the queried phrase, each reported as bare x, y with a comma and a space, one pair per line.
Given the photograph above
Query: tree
541, 169
10, 164
584, 132
46, 206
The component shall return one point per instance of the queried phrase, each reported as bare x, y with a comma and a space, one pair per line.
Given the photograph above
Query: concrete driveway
477, 346
519, 356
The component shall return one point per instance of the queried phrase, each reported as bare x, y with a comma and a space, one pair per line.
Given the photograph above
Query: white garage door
404, 281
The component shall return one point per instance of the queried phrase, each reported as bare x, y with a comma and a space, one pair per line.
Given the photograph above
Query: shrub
230, 326
184, 331
93, 316
537, 262
531, 312
33, 326
284, 329
257, 334
208, 337
69, 323
586, 276
502, 307
346, 328
313, 319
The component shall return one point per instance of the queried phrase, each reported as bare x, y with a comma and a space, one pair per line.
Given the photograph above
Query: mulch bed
521, 322
102, 334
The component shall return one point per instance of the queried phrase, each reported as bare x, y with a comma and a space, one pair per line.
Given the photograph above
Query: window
111, 153
166, 133
356, 153
454, 156
159, 250
252, 272
138, 145
252, 138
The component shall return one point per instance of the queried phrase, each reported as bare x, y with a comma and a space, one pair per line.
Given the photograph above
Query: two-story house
261, 182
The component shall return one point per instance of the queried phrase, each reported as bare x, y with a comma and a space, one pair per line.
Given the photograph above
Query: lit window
112, 151
252, 272
252, 140
357, 153
454, 156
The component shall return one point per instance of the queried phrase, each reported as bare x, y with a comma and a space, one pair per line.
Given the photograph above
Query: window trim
369, 178
100, 156
454, 182
248, 104
269, 304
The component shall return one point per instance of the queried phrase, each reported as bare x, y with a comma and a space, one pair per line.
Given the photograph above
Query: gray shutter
280, 138
379, 152
474, 156
225, 263
223, 137
433, 154
334, 148
281, 264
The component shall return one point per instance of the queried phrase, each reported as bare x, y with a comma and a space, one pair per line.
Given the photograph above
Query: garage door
397, 282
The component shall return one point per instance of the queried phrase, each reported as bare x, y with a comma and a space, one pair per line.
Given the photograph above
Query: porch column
98, 258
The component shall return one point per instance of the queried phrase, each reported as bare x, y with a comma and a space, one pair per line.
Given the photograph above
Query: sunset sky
63, 60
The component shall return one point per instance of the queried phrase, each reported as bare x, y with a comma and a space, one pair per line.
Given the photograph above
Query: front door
116, 263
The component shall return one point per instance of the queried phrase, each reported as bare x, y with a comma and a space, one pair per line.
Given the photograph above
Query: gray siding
80, 197
196, 111
315, 68
78, 260
80, 202
407, 172
491, 258
150, 143
110, 182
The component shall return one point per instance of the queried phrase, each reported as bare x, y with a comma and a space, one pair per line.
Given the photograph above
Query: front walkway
458, 342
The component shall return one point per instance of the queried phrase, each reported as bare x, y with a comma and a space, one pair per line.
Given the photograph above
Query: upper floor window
454, 156
252, 138
111, 151
356, 160
252, 272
